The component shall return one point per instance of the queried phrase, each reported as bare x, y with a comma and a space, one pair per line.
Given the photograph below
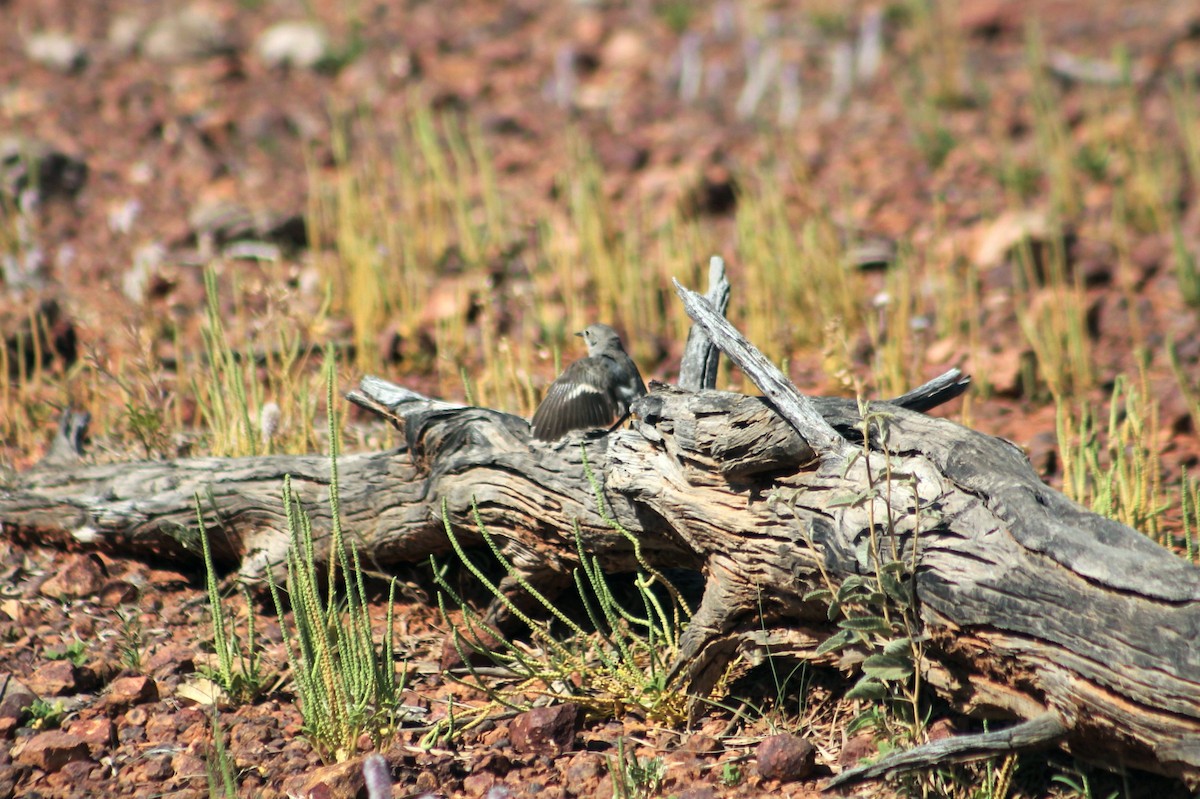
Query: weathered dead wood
700, 356
1035, 732
1031, 607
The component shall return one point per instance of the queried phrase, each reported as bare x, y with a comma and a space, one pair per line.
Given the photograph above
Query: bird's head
600, 338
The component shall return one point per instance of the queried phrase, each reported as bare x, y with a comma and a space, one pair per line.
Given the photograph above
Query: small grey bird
593, 392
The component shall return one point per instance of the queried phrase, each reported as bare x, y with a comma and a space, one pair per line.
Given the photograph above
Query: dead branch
1030, 607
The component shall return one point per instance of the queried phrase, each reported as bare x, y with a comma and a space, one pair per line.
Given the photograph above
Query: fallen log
1027, 607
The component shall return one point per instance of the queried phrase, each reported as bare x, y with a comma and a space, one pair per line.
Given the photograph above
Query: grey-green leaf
867, 624
868, 688
823, 594
835, 642
885, 668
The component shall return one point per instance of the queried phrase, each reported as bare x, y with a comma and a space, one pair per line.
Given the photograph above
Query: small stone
171, 659
941, 729
134, 690
1005, 369
56, 50
75, 772
1174, 411
97, 733
56, 678
131, 734
478, 783
698, 792
14, 704
700, 744
124, 32
625, 49
186, 765
82, 575
1026, 233
32, 329
26, 163
715, 192
855, 749
50, 751
989, 19
584, 767
426, 782
998, 237
545, 729
1150, 252
165, 579
785, 758
149, 771
158, 769
136, 717
221, 222
495, 761
1042, 450
622, 155
161, 727
872, 253
335, 780
294, 43
189, 35
117, 593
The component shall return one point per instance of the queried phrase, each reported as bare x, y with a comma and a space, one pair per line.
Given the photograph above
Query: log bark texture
1030, 607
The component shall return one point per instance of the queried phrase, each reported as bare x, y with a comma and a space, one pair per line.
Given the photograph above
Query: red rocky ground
145, 117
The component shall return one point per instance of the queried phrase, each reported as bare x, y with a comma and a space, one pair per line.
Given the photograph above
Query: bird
593, 392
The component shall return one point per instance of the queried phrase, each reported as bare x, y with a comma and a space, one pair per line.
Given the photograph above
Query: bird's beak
580, 334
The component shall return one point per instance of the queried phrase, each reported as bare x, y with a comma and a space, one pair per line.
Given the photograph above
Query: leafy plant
345, 53
1059, 156
46, 715
879, 627
222, 396
239, 669
24, 407
76, 652
997, 778
1187, 271
676, 14
148, 425
1052, 315
1190, 535
876, 612
347, 685
132, 639
231, 391
1078, 782
634, 777
218, 766
1113, 468
1187, 119
394, 217
621, 663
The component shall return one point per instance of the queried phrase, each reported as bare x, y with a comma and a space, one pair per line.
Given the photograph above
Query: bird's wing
580, 399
